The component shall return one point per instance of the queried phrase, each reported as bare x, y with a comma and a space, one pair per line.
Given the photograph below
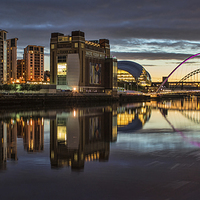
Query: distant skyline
154, 33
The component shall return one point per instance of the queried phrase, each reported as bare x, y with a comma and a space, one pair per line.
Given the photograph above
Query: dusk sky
157, 34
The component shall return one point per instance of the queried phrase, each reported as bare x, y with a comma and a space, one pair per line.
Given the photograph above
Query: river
145, 150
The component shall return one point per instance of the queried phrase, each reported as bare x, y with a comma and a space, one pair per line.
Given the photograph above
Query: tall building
34, 61
11, 60
21, 70
3, 57
78, 64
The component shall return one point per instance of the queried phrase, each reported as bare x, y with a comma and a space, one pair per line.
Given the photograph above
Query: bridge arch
175, 70
187, 76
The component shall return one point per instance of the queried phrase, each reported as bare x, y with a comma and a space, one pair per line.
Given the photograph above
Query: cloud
145, 29
149, 56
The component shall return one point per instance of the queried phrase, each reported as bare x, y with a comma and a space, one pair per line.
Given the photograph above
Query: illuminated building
21, 70
81, 65
34, 62
129, 72
81, 136
3, 57
11, 60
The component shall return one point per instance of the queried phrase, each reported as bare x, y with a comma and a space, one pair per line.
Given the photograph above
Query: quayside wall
46, 100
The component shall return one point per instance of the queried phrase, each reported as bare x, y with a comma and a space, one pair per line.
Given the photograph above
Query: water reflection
132, 117
83, 135
31, 130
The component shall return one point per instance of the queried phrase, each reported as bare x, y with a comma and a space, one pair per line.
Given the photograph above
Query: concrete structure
34, 61
81, 65
11, 60
3, 57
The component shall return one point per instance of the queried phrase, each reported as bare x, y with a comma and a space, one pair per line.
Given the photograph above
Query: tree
7, 87
13, 87
38, 87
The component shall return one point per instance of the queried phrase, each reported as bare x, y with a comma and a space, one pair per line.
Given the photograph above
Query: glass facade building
130, 72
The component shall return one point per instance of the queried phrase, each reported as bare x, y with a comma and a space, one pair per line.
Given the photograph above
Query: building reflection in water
11, 129
31, 130
76, 136
82, 135
3, 145
33, 134
132, 117
8, 143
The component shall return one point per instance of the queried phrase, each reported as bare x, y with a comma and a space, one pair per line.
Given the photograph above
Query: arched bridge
193, 73
185, 77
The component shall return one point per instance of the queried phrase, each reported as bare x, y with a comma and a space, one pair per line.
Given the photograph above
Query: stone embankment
74, 99
59, 100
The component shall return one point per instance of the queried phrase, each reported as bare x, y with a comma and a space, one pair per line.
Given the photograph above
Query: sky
158, 34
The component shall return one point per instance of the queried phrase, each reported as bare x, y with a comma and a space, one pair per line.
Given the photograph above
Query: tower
11, 60
21, 70
3, 57
34, 61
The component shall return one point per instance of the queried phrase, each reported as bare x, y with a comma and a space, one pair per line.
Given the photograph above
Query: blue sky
157, 34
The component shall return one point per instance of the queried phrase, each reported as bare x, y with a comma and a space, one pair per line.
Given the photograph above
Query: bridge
166, 88
184, 78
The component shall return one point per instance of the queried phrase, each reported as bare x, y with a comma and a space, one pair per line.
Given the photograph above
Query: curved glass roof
132, 67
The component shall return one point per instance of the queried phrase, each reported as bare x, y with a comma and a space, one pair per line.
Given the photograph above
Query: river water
147, 150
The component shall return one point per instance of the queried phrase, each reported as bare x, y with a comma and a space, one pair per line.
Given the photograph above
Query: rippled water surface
143, 150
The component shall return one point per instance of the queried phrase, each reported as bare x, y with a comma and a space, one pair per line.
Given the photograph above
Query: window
61, 59
75, 45
61, 80
62, 69
31, 48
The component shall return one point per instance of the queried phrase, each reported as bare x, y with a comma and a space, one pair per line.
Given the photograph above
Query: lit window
75, 45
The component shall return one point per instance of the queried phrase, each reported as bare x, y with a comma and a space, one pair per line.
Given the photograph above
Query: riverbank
56, 100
